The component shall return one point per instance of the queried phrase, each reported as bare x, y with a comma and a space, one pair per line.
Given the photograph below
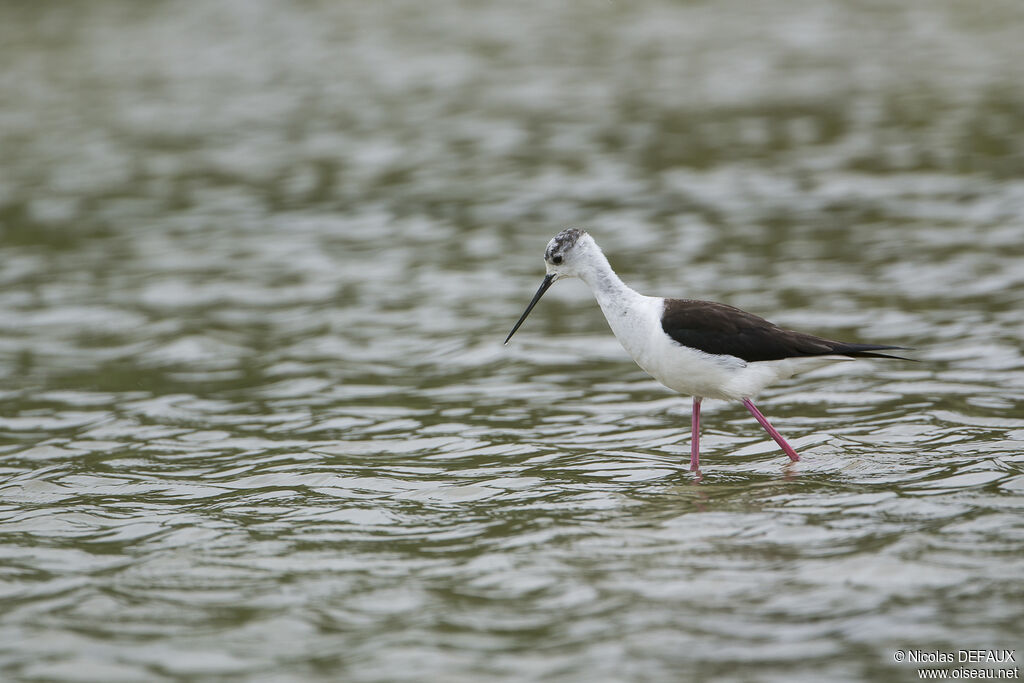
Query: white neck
606, 285
625, 309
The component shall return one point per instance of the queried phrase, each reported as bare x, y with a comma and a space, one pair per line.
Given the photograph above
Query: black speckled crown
563, 241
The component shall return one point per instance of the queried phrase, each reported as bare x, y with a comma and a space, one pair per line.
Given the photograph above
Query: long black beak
548, 280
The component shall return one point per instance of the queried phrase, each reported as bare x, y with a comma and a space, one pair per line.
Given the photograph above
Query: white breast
636, 322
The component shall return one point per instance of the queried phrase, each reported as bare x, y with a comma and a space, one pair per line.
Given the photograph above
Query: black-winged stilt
699, 348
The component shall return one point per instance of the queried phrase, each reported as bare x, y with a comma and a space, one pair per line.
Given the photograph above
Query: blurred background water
257, 259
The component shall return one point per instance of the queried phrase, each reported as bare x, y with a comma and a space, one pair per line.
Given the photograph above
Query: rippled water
258, 259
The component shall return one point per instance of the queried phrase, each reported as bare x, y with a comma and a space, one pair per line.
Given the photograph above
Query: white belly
696, 373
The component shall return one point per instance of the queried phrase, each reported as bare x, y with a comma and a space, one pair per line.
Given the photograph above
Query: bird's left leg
771, 430
695, 436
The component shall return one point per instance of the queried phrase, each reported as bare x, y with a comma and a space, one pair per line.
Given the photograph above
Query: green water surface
257, 259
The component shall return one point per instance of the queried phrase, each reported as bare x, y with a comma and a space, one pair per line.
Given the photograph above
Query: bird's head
567, 255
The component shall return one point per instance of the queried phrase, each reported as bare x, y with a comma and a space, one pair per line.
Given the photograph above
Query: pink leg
771, 430
695, 436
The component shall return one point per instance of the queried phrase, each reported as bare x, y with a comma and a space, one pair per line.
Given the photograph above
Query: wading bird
701, 349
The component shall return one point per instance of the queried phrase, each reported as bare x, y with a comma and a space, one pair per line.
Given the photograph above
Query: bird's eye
557, 260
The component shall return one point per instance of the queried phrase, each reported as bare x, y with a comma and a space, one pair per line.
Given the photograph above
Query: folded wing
725, 330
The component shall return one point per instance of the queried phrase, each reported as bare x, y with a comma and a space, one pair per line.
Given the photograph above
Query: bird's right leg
772, 431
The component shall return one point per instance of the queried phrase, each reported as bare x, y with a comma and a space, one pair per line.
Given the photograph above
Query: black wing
725, 330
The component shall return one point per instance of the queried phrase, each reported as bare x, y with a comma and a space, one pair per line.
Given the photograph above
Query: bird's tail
870, 351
